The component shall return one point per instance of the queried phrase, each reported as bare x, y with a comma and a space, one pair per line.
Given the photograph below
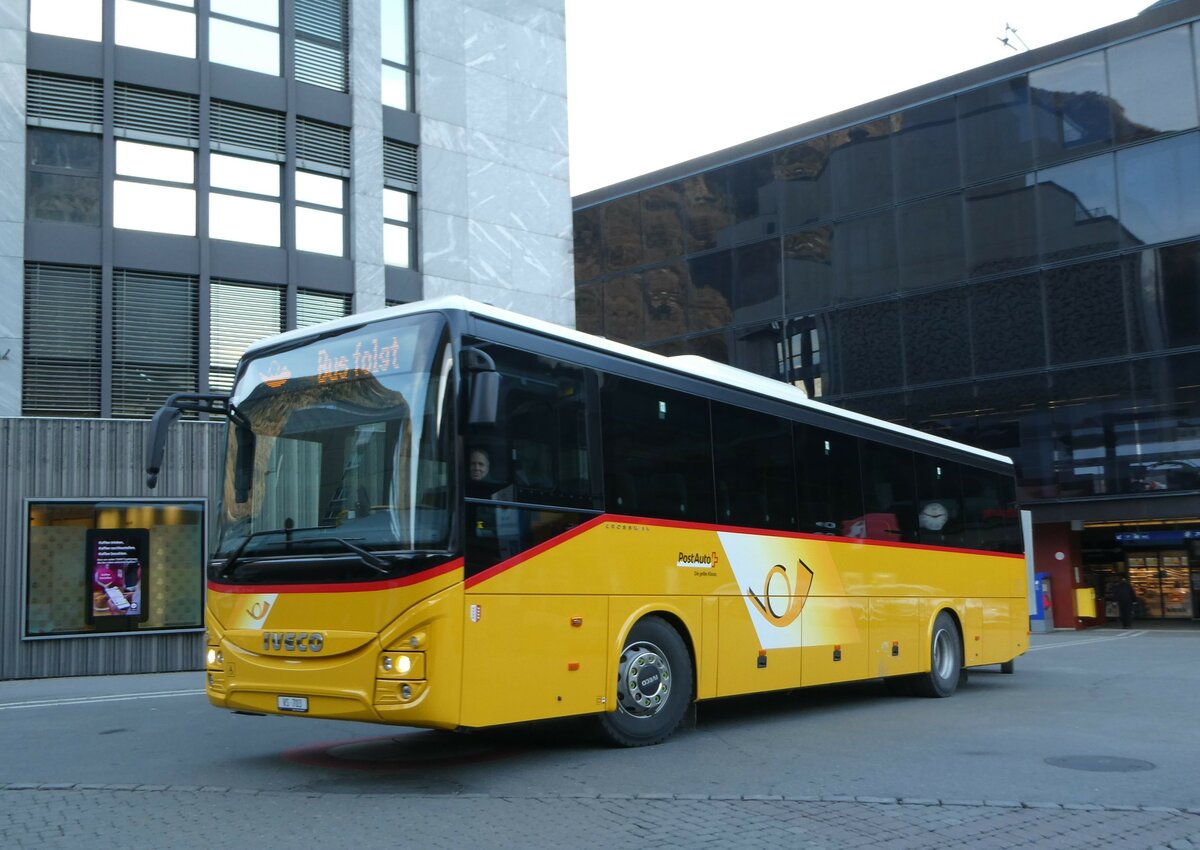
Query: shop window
80, 19
164, 26
99, 567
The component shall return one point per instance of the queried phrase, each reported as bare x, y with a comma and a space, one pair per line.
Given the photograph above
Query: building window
312, 308
154, 348
61, 370
164, 26
64, 176
245, 34
397, 64
320, 47
397, 228
320, 213
240, 315
155, 189
67, 18
244, 203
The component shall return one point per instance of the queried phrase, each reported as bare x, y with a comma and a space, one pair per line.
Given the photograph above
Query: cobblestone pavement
84, 816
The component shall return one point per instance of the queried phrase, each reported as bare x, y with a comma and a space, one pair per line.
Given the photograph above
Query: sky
651, 83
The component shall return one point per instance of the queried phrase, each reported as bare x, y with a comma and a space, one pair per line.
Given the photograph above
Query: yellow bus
448, 515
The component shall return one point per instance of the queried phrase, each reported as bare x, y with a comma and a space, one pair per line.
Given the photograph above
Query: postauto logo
697, 559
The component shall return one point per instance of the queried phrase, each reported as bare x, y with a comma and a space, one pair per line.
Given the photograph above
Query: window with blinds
322, 147
154, 347
400, 164
240, 128
61, 341
240, 314
156, 115
72, 103
312, 308
320, 45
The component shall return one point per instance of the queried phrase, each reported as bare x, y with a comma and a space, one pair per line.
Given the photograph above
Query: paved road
1093, 742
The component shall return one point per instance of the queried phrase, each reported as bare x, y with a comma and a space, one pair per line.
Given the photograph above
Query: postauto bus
448, 515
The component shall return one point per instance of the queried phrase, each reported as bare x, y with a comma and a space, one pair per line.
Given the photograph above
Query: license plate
293, 703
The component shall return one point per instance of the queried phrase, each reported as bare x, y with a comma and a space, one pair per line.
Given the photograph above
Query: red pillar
1056, 551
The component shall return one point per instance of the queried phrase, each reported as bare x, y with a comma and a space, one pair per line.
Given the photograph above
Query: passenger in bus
480, 484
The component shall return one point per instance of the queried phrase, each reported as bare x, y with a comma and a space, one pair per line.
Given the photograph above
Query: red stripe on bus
495, 570
386, 584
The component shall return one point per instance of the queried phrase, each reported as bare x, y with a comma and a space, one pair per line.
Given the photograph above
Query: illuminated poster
117, 562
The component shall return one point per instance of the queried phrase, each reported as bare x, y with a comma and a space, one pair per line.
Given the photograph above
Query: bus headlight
214, 657
402, 665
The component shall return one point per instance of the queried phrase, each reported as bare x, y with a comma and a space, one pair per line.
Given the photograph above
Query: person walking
1125, 599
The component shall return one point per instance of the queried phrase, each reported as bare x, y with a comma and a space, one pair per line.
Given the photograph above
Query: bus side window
827, 481
657, 451
939, 502
991, 519
756, 477
889, 492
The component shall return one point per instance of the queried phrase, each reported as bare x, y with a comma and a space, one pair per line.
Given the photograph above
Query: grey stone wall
13, 23
495, 201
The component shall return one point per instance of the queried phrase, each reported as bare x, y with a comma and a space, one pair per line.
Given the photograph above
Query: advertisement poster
117, 562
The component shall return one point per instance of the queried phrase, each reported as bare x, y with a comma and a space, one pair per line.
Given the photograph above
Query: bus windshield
340, 449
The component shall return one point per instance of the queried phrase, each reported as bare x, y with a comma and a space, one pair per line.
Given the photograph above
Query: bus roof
687, 364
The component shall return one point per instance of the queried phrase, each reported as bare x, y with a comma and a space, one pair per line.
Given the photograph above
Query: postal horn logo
275, 375
783, 594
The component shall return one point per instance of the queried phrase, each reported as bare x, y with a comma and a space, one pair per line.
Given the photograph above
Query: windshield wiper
370, 559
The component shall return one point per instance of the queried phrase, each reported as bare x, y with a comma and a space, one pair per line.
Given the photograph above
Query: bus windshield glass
340, 450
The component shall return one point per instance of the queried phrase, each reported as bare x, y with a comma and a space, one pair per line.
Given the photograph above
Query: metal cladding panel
92, 459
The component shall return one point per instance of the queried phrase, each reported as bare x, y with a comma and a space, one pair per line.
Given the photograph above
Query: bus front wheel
945, 660
654, 686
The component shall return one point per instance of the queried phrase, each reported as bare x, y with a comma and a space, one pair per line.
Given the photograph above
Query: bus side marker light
762, 658
576, 622
572, 666
895, 648
837, 653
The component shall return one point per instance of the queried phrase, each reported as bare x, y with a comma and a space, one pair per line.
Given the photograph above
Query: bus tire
945, 660
654, 686
1006, 667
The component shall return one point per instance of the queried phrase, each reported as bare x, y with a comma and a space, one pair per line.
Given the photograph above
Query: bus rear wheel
945, 660
654, 686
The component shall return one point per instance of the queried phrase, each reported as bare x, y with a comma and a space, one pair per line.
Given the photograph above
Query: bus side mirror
243, 464
484, 387
165, 416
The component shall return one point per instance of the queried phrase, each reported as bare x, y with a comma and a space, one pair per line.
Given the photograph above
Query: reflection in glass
260, 11
625, 309
1145, 106
588, 245
705, 199
1071, 107
67, 18
808, 272
995, 129
759, 350
711, 297
753, 199
926, 149
862, 166
395, 84
589, 308
393, 29
755, 475
666, 301
328, 192
155, 28
1007, 324
802, 344
242, 46
931, 241
158, 209
1166, 297
1077, 208
622, 233
937, 343
1081, 407
662, 222
756, 290
323, 232
1085, 311
1156, 185
804, 183
866, 259
63, 197
243, 219
713, 346
1001, 226
397, 230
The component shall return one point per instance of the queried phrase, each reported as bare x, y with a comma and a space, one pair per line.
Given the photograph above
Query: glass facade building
1009, 258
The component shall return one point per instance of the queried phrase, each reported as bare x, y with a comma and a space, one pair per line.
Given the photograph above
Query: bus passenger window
939, 502
827, 482
889, 493
756, 481
657, 451
991, 518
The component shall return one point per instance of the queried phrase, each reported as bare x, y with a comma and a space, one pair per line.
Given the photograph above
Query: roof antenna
1007, 42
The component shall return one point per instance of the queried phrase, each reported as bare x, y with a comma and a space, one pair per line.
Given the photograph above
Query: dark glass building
1009, 257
